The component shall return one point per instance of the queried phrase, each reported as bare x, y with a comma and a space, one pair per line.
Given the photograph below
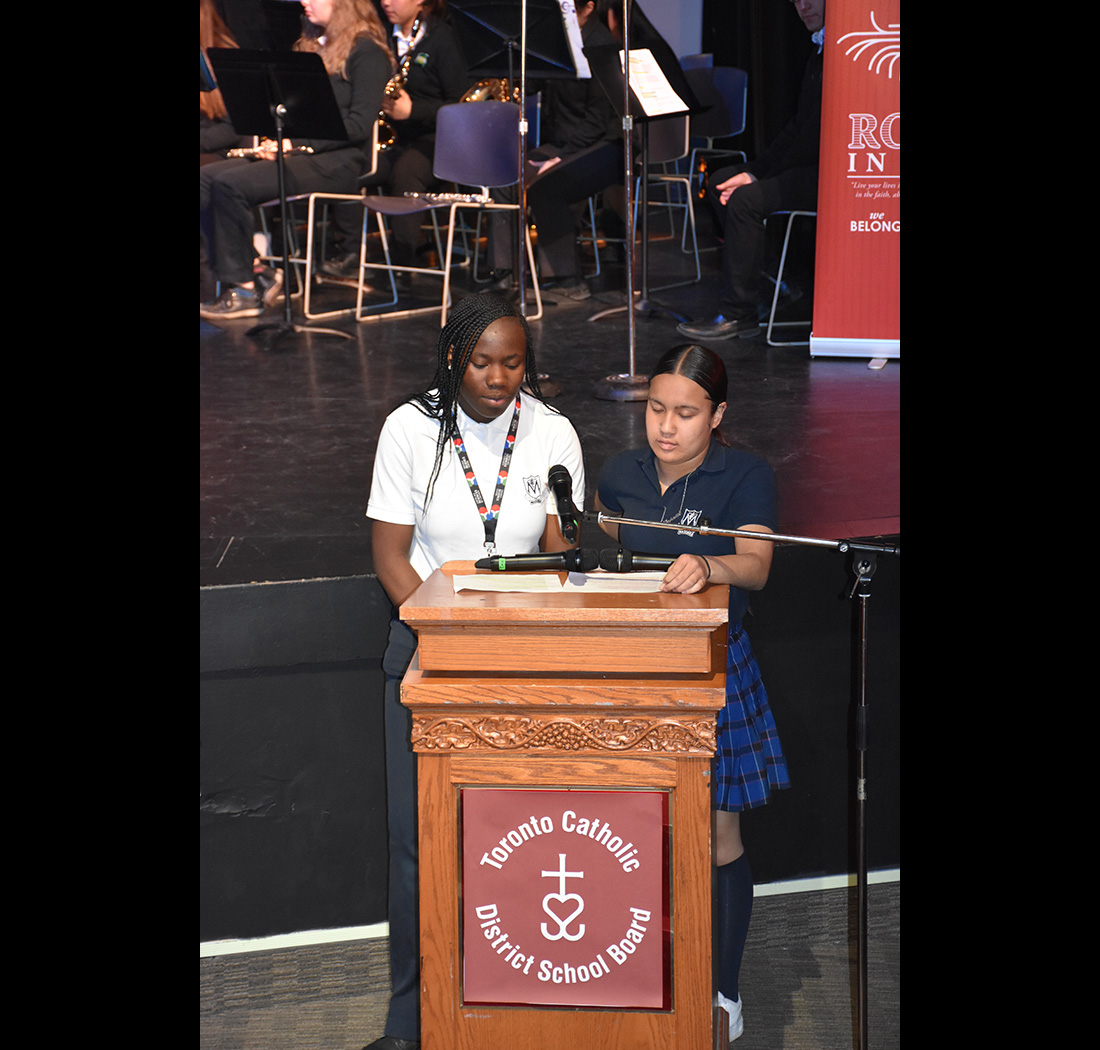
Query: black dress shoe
720, 328
233, 302
345, 266
388, 1042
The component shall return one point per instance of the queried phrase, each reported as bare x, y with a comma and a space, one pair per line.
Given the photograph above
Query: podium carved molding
558, 733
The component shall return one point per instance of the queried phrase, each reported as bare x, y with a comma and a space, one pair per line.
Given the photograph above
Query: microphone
622, 560
582, 560
561, 484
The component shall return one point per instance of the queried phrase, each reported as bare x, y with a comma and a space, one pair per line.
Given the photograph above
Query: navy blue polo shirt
732, 488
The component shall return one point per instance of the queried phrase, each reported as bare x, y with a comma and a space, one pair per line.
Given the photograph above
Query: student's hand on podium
688, 574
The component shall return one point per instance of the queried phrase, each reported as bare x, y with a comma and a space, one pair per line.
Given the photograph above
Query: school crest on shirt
532, 488
690, 518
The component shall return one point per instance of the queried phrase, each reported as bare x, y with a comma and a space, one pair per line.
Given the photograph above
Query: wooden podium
596, 703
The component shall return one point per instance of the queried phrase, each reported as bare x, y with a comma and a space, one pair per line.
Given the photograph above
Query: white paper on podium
615, 582
532, 582
651, 86
508, 581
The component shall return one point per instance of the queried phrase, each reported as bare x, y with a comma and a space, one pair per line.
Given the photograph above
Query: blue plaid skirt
750, 762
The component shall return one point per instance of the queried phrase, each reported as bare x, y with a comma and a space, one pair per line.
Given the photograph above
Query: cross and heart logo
562, 901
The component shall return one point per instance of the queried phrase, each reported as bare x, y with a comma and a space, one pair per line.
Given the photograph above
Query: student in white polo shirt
460, 472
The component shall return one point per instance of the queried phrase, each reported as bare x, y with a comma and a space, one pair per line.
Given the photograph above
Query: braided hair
457, 341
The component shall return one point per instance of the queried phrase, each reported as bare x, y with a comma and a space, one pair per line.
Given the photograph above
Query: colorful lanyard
490, 515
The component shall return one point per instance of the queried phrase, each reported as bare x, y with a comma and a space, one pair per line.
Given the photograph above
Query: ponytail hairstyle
701, 366
457, 340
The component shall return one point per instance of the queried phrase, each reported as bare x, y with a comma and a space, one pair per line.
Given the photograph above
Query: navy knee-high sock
734, 892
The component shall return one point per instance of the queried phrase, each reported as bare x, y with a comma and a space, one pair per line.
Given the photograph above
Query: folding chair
668, 143
724, 89
532, 110
476, 145
312, 225
778, 279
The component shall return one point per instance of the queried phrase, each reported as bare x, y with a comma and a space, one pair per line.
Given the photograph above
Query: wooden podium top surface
436, 601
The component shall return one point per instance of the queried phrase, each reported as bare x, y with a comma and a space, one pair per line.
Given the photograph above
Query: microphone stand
521, 216
275, 330
705, 529
862, 565
285, 92
644, 304
626, 386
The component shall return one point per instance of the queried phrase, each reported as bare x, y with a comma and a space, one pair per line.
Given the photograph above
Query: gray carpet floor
798, 983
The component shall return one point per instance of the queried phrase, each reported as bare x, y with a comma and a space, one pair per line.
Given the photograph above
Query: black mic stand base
623, 388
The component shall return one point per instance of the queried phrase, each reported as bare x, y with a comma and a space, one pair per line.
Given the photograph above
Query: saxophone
386, 135
492, 90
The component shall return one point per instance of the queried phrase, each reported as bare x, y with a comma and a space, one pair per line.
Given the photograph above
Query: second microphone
579, 560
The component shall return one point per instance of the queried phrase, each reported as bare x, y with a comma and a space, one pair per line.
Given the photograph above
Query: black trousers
402, 169
230, 190
550, 200
403, 1017
742, 218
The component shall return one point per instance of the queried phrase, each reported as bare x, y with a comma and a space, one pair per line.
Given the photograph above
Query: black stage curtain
767, 39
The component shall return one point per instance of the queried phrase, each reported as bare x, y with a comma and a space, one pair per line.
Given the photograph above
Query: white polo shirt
450, 528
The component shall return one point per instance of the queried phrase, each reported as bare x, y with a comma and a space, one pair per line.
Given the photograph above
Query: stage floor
288, 431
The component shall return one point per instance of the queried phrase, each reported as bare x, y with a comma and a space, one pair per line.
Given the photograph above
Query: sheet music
651, 86
573, 35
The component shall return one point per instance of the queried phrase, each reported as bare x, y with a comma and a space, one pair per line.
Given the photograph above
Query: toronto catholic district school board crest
564, 897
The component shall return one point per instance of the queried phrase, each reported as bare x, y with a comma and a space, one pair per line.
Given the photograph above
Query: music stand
493, 31
277, 95
492, 34
607, 67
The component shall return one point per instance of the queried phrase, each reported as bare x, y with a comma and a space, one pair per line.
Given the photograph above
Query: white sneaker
737, 1024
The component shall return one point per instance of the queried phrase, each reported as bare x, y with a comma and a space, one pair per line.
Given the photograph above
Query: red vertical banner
857, 282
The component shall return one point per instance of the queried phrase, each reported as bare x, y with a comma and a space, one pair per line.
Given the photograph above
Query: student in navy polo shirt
689, 472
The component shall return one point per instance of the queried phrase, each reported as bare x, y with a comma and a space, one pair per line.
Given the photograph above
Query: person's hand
268, 149
399, 107
686, 575
725, 189
543, 165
